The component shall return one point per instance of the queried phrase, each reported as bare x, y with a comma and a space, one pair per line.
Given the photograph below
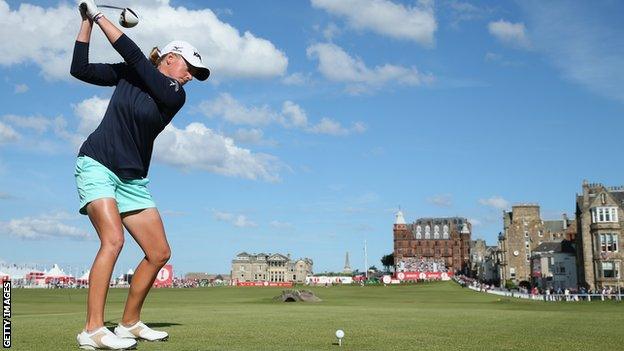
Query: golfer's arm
161, 88
84, 35
112, 33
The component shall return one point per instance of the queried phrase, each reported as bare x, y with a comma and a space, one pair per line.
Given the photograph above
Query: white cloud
585, 47
232, 111
496, 202
295, 79
225, 50
282, 225
331, 31
337, 65
195, 147
90, 113
490, 56
461, 11
39, 124
43, 227
35, 141
441, 200
7, 134
475, 222
291, 116
238, 220
5, 196
331, 127
416, 23
198, 147
20, 88
253, 136
501, 60
510, 33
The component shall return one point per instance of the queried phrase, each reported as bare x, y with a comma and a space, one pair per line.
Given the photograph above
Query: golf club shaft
111, 7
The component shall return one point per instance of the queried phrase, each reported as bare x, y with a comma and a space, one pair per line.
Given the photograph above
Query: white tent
85, 276
55, 272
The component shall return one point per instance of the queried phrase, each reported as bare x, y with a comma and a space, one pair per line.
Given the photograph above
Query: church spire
347, 267
399, 218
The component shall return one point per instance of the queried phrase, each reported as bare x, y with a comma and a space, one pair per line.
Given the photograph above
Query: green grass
434, 316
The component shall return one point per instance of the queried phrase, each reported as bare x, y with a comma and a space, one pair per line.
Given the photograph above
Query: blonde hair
155, 57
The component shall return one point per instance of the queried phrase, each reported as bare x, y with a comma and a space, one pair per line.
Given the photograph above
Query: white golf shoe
104, 339
141, 331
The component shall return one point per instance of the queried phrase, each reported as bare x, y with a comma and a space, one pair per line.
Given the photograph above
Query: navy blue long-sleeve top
143, 103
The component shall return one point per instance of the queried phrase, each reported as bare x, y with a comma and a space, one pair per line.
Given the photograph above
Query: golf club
127, 18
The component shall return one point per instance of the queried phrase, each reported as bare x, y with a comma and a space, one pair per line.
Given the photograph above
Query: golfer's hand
89, 8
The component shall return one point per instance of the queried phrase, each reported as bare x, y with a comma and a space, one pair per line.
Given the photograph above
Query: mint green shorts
95, 181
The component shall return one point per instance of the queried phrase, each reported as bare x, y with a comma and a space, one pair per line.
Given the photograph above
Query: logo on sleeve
174, 83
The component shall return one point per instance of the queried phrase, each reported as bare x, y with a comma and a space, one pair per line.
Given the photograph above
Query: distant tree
388, 261
510, 285
372, 269
525, 284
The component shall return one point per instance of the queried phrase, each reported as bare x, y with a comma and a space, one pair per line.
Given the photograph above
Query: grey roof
554, 226
619, 196
555, 246
441, 220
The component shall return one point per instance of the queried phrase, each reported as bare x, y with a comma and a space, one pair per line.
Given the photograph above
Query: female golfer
113, 163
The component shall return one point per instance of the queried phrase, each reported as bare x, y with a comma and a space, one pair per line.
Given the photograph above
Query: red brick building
439, 244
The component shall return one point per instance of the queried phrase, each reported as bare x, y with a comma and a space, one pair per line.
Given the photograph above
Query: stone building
437, 243
487, 269
523, 231
600, 216
270, 267
553, 265
478, 249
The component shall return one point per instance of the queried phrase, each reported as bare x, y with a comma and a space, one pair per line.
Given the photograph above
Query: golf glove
90, 9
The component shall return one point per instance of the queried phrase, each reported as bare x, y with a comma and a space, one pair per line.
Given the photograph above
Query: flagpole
365, 260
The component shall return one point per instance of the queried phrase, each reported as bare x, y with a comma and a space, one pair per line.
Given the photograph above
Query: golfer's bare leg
147, 229
105, 218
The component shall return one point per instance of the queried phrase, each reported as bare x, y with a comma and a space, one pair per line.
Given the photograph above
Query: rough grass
434, 316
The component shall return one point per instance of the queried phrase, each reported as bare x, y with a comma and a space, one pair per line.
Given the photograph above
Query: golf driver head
128, 18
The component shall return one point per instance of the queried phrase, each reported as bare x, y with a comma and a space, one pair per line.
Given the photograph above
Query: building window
526, 233
427, 232
610, 269
436, 232
604, 214
540, 234
608, 242
445, 232
512, 272
418, 232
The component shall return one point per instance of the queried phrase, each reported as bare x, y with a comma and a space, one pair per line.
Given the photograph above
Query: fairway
433, 316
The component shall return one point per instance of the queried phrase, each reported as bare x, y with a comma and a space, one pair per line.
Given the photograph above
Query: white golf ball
339, 333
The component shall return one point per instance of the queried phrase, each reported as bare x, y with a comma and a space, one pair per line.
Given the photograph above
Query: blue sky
319, 120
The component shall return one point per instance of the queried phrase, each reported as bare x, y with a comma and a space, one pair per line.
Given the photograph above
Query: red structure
432, 245
164, 278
